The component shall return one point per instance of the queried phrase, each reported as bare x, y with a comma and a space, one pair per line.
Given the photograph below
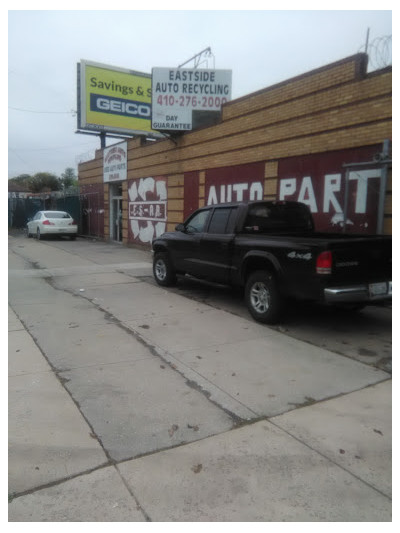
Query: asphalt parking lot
130, 402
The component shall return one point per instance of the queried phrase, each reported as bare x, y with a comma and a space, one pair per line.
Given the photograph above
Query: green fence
72, 205
86, 209
20, 210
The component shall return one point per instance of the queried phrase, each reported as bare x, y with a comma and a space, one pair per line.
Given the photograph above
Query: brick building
322, 138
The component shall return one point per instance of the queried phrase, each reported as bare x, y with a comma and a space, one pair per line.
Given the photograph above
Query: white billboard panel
177, 93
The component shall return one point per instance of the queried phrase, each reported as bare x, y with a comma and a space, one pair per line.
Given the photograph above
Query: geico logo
128, 108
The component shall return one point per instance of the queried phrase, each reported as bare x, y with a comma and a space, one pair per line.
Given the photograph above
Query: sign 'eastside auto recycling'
180, 96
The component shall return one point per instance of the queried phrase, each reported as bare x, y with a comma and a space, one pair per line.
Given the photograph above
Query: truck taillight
324, 263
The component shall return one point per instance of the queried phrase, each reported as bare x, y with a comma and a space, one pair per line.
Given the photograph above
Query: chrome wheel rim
260, 297
161, 270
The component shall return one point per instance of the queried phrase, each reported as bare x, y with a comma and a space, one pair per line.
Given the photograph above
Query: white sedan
52, 223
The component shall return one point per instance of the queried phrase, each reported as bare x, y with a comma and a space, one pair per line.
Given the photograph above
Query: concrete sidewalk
131, 403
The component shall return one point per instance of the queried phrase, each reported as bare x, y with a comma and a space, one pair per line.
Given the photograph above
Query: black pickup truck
272, 250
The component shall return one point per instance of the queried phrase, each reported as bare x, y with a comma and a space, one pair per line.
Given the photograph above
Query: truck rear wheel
262, 296
163, 270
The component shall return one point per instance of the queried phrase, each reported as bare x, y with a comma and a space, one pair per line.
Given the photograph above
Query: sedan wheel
38, 234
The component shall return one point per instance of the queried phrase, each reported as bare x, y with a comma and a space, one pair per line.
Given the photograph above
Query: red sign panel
147, 211
319, 181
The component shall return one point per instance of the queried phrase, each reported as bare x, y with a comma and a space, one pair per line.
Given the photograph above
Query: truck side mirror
180, 227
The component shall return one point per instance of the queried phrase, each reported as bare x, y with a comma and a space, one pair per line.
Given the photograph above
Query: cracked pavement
129, 402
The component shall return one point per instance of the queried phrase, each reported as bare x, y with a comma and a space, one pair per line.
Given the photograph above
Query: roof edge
360, 60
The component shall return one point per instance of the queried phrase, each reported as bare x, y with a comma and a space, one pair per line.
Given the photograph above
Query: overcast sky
260, 47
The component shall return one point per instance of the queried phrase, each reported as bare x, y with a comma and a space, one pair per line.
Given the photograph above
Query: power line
19, 157
50, 148
72, 112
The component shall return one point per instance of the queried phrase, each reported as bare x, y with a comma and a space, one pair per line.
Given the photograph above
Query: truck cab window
197, 223
219, 220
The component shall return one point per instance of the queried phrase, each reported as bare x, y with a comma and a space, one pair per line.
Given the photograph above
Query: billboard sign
115, 162
179, 94
114, 100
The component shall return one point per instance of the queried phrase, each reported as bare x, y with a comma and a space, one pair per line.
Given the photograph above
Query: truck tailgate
363, 259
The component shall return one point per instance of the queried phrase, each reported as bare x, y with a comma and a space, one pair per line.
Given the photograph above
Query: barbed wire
379, 52
85, 156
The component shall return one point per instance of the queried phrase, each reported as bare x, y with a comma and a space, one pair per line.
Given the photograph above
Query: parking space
364, 335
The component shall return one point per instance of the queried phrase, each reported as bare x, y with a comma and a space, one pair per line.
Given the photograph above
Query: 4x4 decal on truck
296, 255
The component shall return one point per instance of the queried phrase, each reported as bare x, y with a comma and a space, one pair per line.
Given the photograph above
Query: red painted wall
233, 184
319, 181
92, 207
191, 193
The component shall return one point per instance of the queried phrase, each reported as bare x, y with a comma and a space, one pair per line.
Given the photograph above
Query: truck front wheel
263, 299
163, 270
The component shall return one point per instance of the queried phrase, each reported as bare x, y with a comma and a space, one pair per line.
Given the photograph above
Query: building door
116, 212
